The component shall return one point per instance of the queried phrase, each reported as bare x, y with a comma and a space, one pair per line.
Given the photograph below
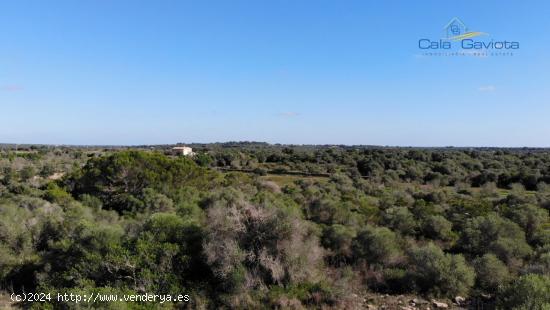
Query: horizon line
269, 143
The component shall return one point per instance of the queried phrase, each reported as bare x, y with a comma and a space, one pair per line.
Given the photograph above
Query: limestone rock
439, 305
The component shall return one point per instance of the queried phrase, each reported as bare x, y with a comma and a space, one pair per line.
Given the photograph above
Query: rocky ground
5, 301
411, 302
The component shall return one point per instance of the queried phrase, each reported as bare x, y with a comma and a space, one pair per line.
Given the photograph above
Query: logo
456, 30
459, 40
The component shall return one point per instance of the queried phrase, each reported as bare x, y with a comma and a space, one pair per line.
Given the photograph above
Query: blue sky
305, 72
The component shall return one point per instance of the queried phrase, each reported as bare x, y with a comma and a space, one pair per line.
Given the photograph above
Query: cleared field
283, 180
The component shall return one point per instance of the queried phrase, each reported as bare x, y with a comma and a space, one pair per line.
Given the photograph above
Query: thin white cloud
289, 114
11, 88
487, 88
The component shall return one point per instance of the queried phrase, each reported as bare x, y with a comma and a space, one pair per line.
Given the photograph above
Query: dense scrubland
294, 227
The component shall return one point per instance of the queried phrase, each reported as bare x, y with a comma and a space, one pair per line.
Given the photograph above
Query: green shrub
377, 245
438, 227
313, 294
396, 280
156, 202
528, 292
116, 178
529, 217
56, 194
491, 273
91, 201
441, 274
400, 219
495, 234
338, 239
